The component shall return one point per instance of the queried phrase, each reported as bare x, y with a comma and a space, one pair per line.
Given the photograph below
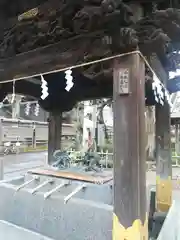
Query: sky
174, 74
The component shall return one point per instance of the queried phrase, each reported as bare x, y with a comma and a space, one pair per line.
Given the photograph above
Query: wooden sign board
123, 85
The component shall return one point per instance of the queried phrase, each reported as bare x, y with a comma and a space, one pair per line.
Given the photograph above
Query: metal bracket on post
79, 188
27, 183
41, 185
49, 193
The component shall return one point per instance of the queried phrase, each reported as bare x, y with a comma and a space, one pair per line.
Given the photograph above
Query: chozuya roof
59, 33
52, 21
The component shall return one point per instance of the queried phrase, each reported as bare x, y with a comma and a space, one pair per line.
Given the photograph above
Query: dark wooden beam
60, 55
22, 87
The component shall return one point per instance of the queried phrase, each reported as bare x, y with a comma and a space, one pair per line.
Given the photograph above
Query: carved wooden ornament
29, 14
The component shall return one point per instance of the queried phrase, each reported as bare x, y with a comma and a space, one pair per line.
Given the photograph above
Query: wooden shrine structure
38, 37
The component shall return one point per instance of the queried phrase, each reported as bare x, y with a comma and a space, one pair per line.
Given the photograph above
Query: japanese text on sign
123, 81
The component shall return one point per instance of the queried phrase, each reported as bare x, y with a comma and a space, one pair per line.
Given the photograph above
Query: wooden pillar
130, 213
163, 158
177, 139
1, 150
54, 135
34, 136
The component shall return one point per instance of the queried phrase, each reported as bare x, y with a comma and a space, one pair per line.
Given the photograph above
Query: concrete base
87, 215
10, 231
171, 226
156, 219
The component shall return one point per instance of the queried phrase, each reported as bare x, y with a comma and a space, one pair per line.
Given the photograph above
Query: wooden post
34, 136
54, 135
130, 213
1, 150
178, 147
163, 158
177, 139
163, 144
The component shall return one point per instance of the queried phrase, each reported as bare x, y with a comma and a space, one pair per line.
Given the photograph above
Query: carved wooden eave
56, 56
10, 8
58, 34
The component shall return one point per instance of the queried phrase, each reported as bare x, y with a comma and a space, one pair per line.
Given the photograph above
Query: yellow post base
138, 230
163, 193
